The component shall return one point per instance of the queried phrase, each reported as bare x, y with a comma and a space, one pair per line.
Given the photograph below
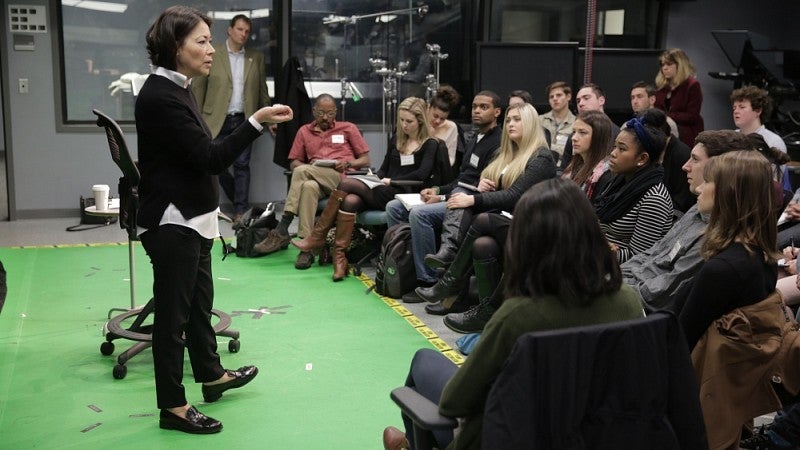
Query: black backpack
394, 273
252, 228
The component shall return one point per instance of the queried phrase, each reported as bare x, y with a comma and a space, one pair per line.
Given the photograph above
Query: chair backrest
442, 173
129, 183
621, 385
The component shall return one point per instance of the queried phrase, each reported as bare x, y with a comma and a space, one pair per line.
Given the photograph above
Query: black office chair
140, 330
626, 384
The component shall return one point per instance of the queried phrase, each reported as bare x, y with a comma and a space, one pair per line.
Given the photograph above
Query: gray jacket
663, 274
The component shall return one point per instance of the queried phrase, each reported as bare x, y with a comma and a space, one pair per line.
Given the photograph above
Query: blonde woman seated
410, 158
522, 160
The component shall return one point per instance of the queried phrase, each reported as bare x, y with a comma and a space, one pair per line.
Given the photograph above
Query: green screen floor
328, 355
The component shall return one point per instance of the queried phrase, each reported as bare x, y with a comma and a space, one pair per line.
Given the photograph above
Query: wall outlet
23, 85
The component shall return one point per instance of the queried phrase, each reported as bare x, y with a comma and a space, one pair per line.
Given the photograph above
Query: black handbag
252, 228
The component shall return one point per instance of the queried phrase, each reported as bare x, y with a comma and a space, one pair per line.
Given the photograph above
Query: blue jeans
426, 221
236, 186
429, 373
787, 423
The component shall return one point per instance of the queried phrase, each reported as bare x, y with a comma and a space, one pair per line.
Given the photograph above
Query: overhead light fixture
96, 6
385, 18
228, 15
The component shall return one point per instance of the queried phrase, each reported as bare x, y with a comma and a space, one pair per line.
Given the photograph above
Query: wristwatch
347, 165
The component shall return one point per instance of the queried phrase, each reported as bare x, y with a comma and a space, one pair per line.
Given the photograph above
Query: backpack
252, 228
395, 273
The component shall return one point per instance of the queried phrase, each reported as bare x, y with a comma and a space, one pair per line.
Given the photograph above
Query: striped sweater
640, 228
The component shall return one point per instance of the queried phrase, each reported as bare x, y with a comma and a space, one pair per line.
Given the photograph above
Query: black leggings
493, 231
359, 197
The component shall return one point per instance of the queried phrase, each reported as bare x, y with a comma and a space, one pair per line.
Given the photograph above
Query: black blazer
627, 384
178, 160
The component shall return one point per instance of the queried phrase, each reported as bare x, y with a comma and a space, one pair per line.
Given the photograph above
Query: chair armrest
423, 412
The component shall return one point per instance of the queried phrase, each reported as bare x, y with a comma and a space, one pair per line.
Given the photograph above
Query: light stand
432, 80
382, 71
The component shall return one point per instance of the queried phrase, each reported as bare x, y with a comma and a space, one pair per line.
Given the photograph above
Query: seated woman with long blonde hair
522, 160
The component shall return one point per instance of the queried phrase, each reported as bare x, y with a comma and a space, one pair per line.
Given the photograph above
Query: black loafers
241, 376
195, 422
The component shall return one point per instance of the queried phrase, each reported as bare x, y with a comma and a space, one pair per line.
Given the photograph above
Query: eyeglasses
321, 114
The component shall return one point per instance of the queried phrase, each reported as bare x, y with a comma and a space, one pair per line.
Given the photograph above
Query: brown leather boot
344, 233
324, 223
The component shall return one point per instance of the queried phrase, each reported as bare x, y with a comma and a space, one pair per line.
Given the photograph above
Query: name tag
474, 160
561, 139
337, 139
406, 160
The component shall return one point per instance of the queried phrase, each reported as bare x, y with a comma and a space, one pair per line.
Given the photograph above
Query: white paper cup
101, 196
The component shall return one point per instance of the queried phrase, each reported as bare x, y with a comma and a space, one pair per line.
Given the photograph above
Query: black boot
474, 319
452, 230
457, 274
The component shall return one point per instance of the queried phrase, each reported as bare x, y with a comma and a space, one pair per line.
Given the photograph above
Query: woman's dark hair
772, 154
650, 139
524, 95
656, 118
169, 30
555, 247
445, 99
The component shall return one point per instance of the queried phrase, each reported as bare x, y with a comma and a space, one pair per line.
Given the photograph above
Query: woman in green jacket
545, 293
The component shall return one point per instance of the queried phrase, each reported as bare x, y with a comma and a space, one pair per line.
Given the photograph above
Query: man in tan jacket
234, 89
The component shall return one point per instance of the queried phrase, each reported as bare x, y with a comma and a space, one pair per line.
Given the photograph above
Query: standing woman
739, 247
522, 160
443, 102
592, 142
635, 210
679, 94
179, 202
410, 158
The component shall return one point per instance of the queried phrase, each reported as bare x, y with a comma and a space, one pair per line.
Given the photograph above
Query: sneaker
304, 260
272, 243
411, 297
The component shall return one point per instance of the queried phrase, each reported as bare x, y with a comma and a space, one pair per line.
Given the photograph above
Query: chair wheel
233, 346
120, 371
107, 348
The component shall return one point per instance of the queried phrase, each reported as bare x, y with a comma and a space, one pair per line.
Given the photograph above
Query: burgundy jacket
684, 108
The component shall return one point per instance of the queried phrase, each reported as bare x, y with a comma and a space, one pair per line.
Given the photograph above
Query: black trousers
183, 289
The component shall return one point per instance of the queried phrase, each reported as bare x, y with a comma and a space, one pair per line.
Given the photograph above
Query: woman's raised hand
274, 114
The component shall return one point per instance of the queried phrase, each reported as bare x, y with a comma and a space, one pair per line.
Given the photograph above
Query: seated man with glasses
322, 152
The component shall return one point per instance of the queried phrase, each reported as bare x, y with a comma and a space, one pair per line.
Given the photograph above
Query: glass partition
103, 49
374, 53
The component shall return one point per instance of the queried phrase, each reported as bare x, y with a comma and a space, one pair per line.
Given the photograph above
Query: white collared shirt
237, 76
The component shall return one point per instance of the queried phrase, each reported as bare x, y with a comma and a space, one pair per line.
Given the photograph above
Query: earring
639, 164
